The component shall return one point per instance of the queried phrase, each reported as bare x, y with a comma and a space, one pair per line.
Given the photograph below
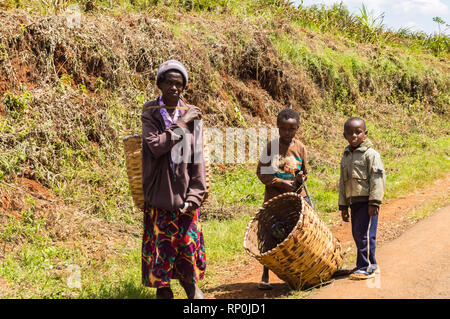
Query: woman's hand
188, 206
191, 206
193, 113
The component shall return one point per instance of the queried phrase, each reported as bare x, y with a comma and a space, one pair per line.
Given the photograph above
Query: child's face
355, 133
287, 128
172, 86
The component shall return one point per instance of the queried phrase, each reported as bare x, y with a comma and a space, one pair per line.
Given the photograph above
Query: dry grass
65, 225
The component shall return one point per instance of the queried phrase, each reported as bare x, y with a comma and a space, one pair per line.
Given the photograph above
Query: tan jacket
363, 178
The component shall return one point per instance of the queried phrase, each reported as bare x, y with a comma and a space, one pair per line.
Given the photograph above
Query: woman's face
172, 86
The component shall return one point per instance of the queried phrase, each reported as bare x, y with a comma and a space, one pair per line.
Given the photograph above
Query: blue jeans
364, 231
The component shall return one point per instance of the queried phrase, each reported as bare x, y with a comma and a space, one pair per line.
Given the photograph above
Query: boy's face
287, 128
355, 133
172, 86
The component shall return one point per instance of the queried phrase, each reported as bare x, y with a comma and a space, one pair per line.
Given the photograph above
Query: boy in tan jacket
361, 187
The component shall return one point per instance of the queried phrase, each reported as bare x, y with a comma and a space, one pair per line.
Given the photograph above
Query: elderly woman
174, 187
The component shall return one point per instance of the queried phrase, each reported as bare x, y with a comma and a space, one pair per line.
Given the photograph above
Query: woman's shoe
192, 290
164, 293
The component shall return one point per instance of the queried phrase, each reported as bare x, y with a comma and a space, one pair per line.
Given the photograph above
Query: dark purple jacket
164, 188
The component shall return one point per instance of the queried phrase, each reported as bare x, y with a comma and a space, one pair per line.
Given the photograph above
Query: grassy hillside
69, 95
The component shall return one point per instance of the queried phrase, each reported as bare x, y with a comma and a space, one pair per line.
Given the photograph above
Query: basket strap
160, 107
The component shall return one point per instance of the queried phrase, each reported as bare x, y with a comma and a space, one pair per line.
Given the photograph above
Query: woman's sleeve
160, 143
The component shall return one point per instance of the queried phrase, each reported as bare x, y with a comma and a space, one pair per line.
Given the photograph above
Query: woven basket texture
306, 255
133, 158
132, 146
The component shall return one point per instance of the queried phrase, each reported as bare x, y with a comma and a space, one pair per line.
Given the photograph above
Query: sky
417, 15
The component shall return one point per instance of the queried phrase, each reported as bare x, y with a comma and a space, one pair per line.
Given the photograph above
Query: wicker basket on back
132, 146
133, 158
288, 237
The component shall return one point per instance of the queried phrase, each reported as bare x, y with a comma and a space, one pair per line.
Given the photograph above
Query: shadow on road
247, 290
250, 289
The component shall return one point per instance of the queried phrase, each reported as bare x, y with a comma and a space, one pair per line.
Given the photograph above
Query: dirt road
414, 265
414, 258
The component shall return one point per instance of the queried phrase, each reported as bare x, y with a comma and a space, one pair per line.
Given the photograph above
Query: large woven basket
301, 249
133, 158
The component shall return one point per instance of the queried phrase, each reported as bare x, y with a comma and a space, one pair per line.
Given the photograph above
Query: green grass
120, 277
225, 238
33, 269
428, 208
237, 185
412, 160
346, 75
41, 270
324, 195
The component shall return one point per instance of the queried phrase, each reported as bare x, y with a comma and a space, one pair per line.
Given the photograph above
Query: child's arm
343, 207
344, 214
266, 173
377, 180
269, 179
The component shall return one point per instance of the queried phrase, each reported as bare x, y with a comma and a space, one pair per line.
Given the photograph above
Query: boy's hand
373, 210
300, 177
286, 186
345, 215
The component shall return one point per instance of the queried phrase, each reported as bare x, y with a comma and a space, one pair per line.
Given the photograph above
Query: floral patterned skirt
172, 247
